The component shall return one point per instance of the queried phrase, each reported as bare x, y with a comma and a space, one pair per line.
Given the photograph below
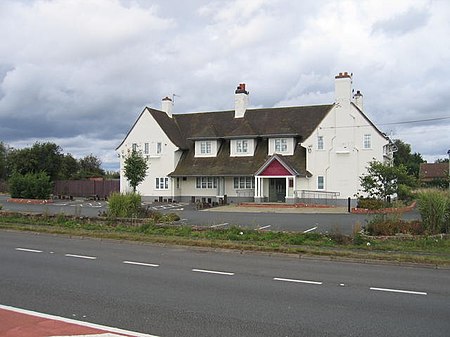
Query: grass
416, 249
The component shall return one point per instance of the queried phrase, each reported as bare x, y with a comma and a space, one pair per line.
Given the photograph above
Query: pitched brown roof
183, 129
430, 171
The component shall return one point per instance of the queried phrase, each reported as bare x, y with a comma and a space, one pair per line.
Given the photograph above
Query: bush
434, 208
124, 205
30, 185
371, 203
390, 225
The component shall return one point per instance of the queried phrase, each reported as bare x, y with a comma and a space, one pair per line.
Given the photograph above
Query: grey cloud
403, 23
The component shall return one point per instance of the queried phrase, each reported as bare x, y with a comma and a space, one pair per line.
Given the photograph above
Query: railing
316, 197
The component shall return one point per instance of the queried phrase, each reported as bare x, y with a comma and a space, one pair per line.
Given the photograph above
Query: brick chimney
343, 89
240, 101
167, 106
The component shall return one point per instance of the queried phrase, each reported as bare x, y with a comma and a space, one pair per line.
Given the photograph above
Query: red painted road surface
15, 322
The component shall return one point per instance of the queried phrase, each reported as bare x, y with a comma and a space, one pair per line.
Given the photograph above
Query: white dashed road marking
29, 250
399, 291
310, 230
296, 281
81, 256
141, 264
221, 224
213, 272
264, 227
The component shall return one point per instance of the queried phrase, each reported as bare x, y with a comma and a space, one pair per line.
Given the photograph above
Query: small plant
434, 208
124, 205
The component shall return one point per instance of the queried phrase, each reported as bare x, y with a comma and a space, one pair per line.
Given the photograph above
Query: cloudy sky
79, 72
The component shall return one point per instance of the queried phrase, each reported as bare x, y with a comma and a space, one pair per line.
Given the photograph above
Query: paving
282, 208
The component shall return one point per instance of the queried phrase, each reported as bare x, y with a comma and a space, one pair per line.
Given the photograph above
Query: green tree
403, 156
41, 157
3, 154
135, 168
90, 166
383, 180
69, 167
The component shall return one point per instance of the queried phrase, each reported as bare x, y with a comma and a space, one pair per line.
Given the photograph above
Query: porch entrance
277, 189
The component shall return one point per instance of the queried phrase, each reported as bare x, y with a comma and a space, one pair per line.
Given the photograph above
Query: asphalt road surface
172, 291
318, 222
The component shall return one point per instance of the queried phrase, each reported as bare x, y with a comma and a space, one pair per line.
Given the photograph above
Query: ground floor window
320, 183
206, 182
162, 183
244, 182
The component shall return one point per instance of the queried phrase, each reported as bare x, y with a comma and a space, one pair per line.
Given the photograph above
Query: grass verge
433, 250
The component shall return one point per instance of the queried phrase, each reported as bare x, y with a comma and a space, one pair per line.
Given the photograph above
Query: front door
277, 190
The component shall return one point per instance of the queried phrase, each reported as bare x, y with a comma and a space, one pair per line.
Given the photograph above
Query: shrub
124, 205
434, 208
30, 185
371, 203
390, 225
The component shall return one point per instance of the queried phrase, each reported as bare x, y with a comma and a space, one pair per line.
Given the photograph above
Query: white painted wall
147, 130
344, 158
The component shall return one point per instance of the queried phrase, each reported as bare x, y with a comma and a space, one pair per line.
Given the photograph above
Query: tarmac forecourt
16, 322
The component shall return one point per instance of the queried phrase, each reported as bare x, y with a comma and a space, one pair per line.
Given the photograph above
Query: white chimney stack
167, 106
358, 97
240, 101
343, 89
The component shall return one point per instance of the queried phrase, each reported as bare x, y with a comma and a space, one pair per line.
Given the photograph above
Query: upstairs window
134, 146
158, 148
367, 141
205, 147
146, 148
280, 145
242, 146
319, 142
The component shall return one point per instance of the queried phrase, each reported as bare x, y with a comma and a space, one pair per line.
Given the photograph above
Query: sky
79, 72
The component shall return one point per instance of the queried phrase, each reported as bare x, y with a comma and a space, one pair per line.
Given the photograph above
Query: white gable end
147, 137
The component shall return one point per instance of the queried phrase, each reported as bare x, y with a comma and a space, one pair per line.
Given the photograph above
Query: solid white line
72, 321
221, 224
399, 291
81, 256
29, 250
310, 230
296, 281
213, 272
264, 227
141, 264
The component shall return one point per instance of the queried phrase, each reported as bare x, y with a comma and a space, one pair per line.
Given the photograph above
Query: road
173, 291
318, 222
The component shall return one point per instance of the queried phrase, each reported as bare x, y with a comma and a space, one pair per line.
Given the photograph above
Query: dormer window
205, 147
280, 145
284, 146
242, 146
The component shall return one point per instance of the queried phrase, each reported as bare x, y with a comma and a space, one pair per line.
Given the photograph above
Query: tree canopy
135, 168
382, 180
403, 156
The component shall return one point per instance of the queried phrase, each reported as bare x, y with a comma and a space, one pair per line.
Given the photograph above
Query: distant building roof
431, 171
